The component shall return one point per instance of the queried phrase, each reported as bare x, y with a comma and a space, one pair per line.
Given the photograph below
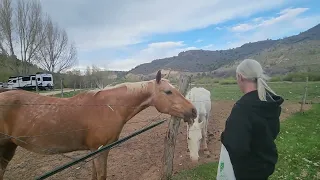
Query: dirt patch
288, 108
138, 158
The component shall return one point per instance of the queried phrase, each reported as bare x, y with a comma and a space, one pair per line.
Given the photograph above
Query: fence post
303, 100
74, 87
61, 86
170, 139
37, 88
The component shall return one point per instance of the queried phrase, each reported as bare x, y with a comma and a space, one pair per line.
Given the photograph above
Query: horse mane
132, 87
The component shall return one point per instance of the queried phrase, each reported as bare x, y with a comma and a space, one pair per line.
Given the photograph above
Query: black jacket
249, 136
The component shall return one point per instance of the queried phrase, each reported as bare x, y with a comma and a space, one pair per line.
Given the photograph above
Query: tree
30, 33
6, 36
73, 78
88, 76
6, 28
55, 53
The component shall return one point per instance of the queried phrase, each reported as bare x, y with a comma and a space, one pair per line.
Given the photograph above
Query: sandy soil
138, 158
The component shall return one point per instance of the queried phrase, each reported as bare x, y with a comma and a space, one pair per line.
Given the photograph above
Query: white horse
201, 99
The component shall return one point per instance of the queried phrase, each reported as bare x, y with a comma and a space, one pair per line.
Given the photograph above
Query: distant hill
295, 53
6, 68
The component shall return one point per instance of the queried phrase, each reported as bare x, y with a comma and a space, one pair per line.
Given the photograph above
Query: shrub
301, 76
276, 79
230, 80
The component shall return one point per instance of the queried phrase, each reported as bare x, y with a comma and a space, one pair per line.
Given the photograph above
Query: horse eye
168, 92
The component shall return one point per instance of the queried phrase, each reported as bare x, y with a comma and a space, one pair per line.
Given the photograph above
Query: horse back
5, 90
201, 98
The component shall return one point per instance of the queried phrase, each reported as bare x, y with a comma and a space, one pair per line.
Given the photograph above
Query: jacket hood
269, 108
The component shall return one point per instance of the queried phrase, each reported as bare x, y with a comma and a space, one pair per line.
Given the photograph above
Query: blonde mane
132, 87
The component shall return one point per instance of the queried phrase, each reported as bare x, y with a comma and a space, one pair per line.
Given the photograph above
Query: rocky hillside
283, 55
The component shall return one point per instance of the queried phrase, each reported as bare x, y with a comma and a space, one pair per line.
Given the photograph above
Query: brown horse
33, 121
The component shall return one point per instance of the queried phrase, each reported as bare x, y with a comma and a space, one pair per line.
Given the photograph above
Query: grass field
289, 91
298, 145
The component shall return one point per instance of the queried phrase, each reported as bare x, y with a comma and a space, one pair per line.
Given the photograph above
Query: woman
253, 125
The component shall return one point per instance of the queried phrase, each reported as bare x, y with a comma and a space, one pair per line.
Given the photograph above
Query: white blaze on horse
26, 116
197, 131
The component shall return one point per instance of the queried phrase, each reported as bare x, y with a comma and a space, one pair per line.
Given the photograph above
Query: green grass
291, 91
202, 172
298, 145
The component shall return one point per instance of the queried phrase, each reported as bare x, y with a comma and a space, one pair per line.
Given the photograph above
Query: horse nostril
194, 112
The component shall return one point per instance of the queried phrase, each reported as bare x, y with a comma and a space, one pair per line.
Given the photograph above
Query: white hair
251, 69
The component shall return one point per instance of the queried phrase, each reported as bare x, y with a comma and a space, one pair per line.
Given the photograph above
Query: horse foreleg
100, 164
6, 154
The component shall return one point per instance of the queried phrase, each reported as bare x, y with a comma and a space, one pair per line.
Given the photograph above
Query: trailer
44, 81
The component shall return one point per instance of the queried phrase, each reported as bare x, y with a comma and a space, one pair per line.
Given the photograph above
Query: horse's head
167, 99
194, 139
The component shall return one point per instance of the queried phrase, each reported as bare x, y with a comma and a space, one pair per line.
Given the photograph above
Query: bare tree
7, 36
97, 77
55, 53
30, 33
6, 28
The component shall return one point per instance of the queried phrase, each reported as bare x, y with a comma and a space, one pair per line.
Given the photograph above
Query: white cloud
208, 47
285, 15
198, 41
153, 51
110, 25
288, 21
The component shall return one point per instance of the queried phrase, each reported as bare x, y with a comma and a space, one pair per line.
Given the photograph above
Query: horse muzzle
190, 116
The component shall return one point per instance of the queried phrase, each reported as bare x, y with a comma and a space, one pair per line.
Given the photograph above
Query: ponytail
261, 89
262, 86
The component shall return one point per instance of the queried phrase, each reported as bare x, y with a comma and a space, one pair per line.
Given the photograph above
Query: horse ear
158, 76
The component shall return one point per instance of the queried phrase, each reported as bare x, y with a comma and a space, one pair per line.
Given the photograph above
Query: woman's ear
239, 77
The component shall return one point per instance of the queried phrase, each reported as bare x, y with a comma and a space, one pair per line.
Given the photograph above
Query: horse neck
131, 99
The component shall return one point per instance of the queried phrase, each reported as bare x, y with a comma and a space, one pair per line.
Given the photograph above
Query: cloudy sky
120, 34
